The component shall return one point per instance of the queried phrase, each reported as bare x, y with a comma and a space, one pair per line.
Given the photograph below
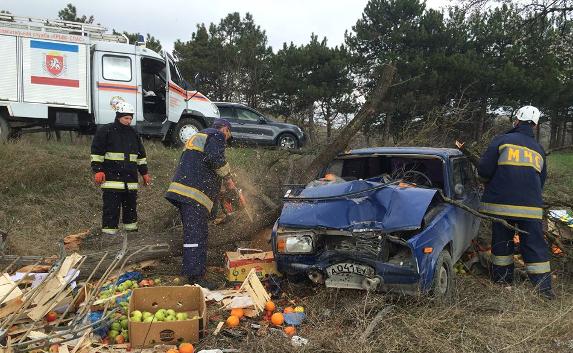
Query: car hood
357, 205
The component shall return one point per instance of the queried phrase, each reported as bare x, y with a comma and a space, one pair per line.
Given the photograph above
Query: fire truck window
116, 68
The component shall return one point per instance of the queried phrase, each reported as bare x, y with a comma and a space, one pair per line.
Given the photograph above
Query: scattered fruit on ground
288, 310
116, 326
299, 309
173, 350
238, 312
290, 330
51, 316
277, 319
54, 348
119, 339
186, 348
233, 321
270, 306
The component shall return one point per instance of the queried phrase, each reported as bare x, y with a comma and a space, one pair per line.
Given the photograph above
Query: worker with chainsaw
195, 189
117, 155
514, 169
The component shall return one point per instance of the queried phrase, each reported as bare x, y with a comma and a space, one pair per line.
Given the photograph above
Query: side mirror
459, 190
262, 120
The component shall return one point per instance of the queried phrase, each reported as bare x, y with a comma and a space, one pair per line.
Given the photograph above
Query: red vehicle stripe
116, 87
51, 81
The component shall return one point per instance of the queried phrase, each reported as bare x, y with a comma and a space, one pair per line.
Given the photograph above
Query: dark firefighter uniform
117, 151
515, 169
194, 190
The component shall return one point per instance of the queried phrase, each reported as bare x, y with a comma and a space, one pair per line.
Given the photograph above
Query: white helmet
124, 108
528, 113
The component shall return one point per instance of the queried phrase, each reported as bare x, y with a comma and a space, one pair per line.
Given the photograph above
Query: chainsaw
233, 200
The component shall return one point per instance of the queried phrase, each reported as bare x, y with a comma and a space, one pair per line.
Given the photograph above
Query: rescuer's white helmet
124, 108
528, 113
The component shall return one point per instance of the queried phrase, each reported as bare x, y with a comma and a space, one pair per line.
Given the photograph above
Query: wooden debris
72, 242
13, 301
219, 327
253, 286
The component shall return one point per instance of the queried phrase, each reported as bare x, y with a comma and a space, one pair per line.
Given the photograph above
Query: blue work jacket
515, 169
201, 167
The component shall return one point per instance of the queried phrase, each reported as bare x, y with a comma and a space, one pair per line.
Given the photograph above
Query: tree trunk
364, 115
386, 129
553, 138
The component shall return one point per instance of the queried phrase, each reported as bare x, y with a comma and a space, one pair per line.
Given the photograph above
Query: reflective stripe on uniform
141, 161
97, 158
512, 210
111, 231
502, 260
190, 245
132, 186
538, 267
224, 170
197, 142
133, 158
520, 156
120, 185
115, 156
191, 193
130, 226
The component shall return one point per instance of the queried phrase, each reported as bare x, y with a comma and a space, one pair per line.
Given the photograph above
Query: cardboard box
181, 299
239, 263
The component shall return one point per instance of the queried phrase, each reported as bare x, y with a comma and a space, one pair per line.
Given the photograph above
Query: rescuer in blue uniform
195, 189
515, 169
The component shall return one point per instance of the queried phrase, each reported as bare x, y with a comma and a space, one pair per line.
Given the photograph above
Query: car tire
444, 281
185, 128
5, 130
287, 141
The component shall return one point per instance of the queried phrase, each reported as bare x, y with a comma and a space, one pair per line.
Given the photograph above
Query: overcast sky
169, 20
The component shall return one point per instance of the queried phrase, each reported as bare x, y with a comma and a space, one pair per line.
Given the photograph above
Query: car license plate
344, 268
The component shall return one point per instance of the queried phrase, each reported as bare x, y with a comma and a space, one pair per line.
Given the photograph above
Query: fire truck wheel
185, 128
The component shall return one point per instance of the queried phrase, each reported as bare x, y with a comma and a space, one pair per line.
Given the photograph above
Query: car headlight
296, 243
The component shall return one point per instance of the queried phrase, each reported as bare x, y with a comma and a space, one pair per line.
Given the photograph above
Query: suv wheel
443, 283
185, 128
287, 142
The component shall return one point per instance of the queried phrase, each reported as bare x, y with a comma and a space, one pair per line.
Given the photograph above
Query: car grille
369, 245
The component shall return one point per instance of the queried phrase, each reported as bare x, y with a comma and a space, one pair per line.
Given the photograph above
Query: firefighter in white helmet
515, 169
117, 155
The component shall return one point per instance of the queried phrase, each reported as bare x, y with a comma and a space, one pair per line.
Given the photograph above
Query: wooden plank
8, 287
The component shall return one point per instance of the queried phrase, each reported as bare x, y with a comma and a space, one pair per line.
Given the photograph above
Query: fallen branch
480, 215
386, 310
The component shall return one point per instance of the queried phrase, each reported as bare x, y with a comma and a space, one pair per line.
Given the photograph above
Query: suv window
244, 114
174, 75
226, 112
116, 68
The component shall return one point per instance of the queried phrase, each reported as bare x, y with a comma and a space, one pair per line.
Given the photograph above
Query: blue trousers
533, 249
195, 230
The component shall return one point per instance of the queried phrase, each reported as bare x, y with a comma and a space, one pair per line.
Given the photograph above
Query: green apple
112, 334
171, 312
137, 318
148, 319
147, 314
182, 316
160, 316
136, 313
171, 318
116, 326
124, 324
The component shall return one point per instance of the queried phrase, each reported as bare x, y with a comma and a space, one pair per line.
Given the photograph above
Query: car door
228, 113
253, 126
465, 190
116, 81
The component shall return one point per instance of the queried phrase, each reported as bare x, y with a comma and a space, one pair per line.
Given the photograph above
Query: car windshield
422, 170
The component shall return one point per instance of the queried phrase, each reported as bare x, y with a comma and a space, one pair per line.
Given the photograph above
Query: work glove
230, 184
99, 178
146, 179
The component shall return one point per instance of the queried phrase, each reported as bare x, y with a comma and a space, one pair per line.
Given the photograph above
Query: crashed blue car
376, 220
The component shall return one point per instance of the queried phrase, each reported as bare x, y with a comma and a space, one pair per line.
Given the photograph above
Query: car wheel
443, 283
184, 129
287, 142
5, 130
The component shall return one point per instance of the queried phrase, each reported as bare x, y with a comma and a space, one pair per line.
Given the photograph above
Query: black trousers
115, 202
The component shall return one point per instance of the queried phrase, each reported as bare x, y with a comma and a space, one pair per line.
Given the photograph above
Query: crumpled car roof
359, 204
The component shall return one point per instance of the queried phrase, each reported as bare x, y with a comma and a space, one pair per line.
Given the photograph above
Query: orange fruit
232, 321
270, 306
290, 330
238, 312
288, 310
186, 348
173, 350
277, 319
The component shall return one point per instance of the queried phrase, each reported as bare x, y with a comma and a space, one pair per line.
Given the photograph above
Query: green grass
560, 176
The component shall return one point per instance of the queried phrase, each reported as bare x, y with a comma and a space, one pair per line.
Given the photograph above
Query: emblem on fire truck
54, 64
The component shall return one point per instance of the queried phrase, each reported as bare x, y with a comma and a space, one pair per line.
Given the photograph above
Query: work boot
548, 294
203, 282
